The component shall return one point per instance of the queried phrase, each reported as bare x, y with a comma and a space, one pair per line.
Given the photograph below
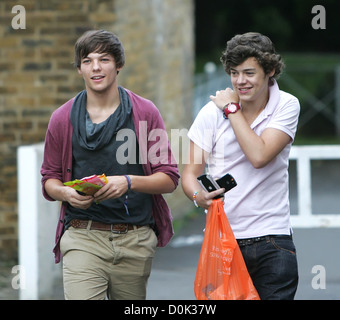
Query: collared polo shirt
259, 204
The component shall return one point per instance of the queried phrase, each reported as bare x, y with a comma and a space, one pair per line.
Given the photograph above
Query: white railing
305, 218
37, 224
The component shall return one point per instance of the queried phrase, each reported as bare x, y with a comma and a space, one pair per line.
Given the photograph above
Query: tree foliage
287, 23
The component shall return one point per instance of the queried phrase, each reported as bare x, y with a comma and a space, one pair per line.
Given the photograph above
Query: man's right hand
77, 200
56, 190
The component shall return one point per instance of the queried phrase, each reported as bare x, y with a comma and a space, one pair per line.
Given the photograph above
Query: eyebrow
101, 56
244, 70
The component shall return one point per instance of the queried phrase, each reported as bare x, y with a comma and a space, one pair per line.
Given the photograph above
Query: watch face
232, 108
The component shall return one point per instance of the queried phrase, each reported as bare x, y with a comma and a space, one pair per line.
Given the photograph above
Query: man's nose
96, 65
241, 79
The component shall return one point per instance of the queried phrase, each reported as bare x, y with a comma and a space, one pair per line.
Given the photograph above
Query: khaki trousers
100, 264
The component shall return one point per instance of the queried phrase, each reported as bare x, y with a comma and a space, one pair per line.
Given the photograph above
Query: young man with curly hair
248, 131
108, 239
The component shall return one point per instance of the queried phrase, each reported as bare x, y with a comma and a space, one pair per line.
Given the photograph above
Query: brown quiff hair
253, 44
99, 41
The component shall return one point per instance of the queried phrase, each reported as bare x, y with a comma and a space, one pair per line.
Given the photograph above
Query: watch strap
226, 110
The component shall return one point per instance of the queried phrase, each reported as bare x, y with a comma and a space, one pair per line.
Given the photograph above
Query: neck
251, 109
106, 100
257, 104
100, 105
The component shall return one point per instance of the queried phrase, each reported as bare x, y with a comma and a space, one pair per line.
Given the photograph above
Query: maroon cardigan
149, 125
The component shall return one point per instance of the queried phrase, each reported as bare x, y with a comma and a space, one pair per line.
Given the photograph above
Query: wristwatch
231, 107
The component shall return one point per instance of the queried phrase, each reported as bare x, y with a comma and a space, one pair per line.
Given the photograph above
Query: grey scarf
101, 134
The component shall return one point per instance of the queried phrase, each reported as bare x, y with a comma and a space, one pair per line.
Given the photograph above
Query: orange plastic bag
221, 272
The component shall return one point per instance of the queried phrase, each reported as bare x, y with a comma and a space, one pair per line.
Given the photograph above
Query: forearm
195, 166
259, 150
251, 144
55, 189
192, 170
156, 183
190, 184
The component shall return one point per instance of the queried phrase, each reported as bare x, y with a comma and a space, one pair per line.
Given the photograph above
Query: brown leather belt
119, 228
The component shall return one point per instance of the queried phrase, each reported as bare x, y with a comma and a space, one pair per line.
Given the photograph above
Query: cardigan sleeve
57, 160
155, 152
160, 154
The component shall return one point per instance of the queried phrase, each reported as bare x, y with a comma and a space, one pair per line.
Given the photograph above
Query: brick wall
37, 75
161, 52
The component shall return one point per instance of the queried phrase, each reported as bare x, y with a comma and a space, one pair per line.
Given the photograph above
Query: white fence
305, 218
37, 225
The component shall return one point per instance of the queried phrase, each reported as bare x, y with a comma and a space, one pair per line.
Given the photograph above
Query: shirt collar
274, 97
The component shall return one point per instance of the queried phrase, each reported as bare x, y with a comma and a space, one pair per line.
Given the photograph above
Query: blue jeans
272, 265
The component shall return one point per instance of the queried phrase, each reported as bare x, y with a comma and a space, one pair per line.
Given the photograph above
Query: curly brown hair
252, 44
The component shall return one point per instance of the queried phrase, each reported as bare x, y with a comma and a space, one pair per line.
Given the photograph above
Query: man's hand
56, 190
204, 199
223, 97
76, 200
115, 188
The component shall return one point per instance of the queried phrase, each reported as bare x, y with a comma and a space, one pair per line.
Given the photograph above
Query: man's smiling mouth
97, 77
244, 89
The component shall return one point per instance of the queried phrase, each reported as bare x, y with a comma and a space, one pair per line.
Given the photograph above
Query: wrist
229, 108
227, 104
194, 197
128, 179
65, 194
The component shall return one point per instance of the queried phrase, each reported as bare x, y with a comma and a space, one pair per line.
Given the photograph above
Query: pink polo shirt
259, 204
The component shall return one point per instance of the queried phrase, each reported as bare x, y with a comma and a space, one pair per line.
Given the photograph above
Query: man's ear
271, 74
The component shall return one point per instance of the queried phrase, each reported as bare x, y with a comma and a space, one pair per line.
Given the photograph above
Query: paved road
174, 266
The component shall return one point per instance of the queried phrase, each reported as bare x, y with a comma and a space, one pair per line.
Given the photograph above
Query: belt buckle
242, 243
120, 231
249, 241
245, 242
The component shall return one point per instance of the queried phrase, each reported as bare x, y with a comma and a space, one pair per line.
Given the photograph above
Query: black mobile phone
227, 182
209, 184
